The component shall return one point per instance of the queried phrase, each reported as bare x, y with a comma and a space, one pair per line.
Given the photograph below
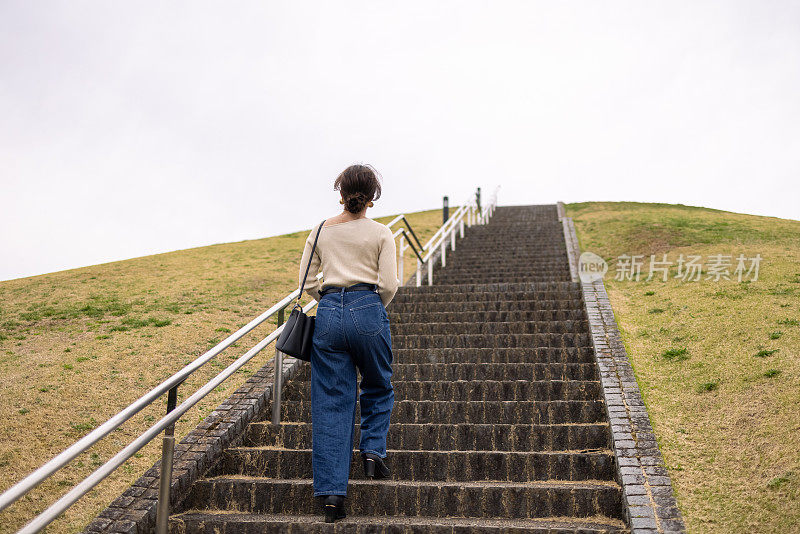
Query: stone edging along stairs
505, 418
650, 504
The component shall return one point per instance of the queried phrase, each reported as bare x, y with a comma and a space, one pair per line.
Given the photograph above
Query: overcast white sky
130, 128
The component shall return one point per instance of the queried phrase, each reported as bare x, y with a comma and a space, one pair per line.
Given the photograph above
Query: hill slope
77, 346
718, 362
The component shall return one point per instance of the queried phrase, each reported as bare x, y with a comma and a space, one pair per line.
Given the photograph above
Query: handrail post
277, 384
430, 271
453, 238
419, 272
167, 457
443, 248
401, 259
461, 225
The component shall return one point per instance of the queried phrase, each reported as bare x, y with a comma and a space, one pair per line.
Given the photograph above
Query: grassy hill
718, 362
77, 346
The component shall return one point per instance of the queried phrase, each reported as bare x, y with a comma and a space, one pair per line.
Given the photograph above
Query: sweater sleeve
387, 267
312, 285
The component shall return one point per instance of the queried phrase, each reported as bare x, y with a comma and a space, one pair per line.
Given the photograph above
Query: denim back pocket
369, 318
323, 321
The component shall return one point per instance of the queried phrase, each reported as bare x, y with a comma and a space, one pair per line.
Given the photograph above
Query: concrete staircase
498, 426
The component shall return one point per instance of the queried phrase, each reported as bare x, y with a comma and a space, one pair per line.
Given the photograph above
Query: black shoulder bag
295, 339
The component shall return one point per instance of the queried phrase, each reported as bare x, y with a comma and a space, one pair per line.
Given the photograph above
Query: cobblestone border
561, 210
573, 251
134, 511
650, 505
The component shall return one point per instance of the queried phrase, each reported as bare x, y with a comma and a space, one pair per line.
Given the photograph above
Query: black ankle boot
374, 466
334, 508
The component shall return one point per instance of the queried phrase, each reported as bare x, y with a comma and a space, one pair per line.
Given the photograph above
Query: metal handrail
459, 213
466, 211
24, 486
103, 471
402, 231
419, 248
402, 217
18, 490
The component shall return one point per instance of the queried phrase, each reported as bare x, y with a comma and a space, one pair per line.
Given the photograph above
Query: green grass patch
707, 386
779, 481
676, 355
763, 353
83, 426
134, 322
772, 372
776, 335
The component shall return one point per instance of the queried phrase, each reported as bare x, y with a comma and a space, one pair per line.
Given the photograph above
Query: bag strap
308, 265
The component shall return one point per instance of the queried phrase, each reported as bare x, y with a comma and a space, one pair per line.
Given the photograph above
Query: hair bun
358, 185
356, 202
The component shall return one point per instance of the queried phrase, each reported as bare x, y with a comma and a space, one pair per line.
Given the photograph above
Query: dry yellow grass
77, 346
725, 412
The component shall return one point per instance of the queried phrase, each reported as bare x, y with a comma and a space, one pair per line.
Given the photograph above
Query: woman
358, 259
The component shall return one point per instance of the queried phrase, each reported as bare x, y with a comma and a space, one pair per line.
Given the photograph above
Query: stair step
491, 340
495, 355
485, 279
486, 253
484, 292
476, 412
482, 390
459, 437
453, 297
541, 270
481, 372
483, 306
508, 500
489, 316
492, 288
224, 522
455, 261
540, 267
427, 465
504, 279
454, 264
486, 328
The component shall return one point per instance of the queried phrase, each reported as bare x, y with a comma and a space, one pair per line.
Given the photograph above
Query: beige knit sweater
361, 250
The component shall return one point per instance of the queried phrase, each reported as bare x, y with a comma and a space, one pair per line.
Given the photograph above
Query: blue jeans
351, 332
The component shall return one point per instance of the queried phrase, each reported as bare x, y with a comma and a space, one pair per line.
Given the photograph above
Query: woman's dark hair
358, 184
